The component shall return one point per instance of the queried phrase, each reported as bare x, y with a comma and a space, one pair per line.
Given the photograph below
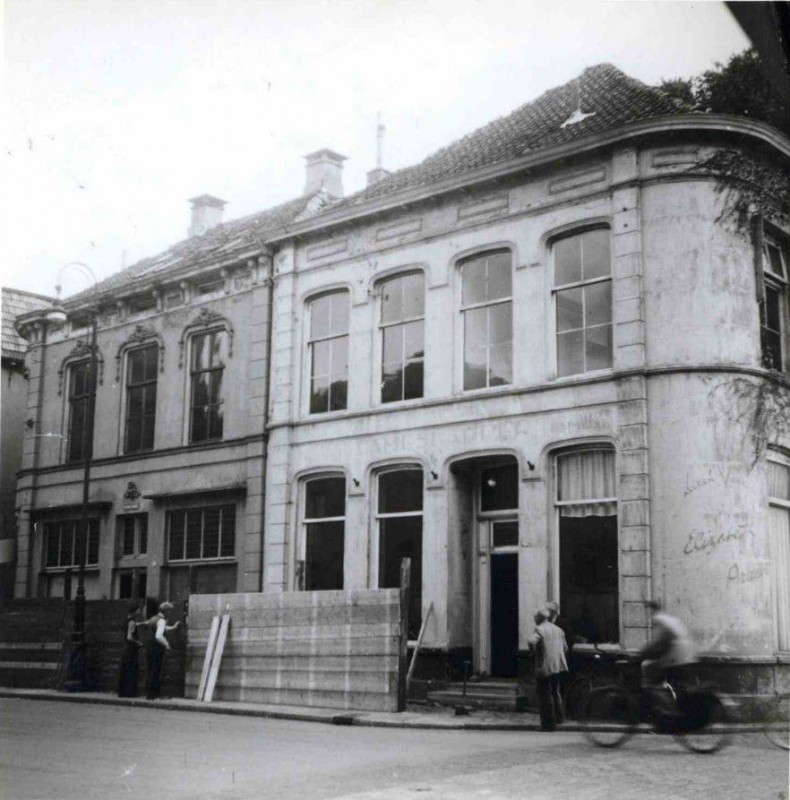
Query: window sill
593, 373
194, 561
201, 441
74, 570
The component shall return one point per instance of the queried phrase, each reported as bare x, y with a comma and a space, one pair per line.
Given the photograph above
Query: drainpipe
267, 258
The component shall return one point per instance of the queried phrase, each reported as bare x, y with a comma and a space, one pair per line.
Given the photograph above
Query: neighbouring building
13, 406
525, 363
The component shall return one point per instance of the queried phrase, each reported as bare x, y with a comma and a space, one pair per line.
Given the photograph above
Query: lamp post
75, 680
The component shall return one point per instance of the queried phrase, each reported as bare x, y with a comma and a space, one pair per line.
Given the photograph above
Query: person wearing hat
549, 645
159, 646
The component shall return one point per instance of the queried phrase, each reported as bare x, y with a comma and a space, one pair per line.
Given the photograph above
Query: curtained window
588, 549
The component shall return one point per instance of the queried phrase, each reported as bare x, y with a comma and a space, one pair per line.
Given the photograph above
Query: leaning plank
212, 643
217, 657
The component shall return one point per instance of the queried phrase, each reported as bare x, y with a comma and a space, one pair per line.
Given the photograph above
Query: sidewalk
419, 717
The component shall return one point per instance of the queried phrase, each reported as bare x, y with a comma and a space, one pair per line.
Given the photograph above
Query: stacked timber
332, 649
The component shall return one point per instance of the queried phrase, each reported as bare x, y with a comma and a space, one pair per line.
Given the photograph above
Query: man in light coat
550, 647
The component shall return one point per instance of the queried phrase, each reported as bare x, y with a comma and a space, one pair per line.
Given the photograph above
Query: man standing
550, 647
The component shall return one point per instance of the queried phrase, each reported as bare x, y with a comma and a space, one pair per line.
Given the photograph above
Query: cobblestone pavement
83, 751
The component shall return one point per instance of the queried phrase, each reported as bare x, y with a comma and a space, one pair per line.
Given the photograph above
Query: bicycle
777, 726
579, 688
695, 716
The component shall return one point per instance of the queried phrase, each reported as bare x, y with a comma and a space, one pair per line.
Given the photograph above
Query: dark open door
504, 614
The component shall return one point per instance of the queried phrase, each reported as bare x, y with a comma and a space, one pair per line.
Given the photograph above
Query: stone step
495, 701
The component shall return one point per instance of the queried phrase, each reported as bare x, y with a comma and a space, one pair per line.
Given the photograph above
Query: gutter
715, 123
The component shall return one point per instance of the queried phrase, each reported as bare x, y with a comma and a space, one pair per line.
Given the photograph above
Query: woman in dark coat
129, 668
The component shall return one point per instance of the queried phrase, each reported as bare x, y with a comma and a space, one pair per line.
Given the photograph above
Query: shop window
324, 533
586, 506
399, 521
207, 367
328, 346
779, 541
65, 543
141, 373
196, 534
132, 534
80, 439
486, 306
583, 301
402, 337
773, 308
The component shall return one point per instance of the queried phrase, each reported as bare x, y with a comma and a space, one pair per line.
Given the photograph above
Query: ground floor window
201, 533
324, 533
779, 540
132, 534
131, 584
588, 546
399, 519
65, 543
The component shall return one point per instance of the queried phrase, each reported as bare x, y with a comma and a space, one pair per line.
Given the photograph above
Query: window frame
192, 373
186, 510
86, 442
139, 535
783, 503
311, 341
464, 308
401, 322
128, 355
299, 573
94, 539
781, 285
580, 284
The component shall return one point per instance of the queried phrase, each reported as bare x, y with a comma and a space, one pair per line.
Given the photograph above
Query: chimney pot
206, 213
376, 175
324, 172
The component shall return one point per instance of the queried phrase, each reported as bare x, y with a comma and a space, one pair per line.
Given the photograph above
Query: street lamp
76, 668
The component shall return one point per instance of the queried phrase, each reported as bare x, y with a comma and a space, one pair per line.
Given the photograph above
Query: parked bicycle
599, 674
777, 726
693, 714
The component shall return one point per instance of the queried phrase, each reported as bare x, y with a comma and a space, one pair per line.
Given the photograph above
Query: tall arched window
402, 337
486, 306
207, 367
399, 522
586, 504
328, 345
583, 297
323, 539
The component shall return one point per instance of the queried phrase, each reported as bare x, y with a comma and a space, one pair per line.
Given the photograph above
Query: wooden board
216, 658
210, 646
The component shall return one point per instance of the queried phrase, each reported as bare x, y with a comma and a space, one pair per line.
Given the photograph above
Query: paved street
63, 750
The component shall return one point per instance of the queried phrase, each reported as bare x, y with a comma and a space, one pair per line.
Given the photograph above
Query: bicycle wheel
576, 696
706, 723
777, 727
609, 716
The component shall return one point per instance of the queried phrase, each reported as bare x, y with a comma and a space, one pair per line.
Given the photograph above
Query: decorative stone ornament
131, 497
141, 333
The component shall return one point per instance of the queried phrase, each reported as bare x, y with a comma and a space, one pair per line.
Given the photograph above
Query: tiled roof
16, 302
606, 94
223, 242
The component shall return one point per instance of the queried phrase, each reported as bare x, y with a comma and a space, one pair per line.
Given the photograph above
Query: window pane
215, 421
773, 305
774, 259
125, 586
136, 367
325, 497
393, 344
199, 351
217, 351
319, 395
79, 379
414, 339
77, 429
595, 249
67, 557
324, 556
500, 365
778, 481
53, 545
134, 438
599, 347
473, 282
93, 541
567, 260
142, 533
339, 356
127, 524
339, 312
475, 367
413, 295
228, 547
392, 383
338, 395
499, 276
176, 548
586, 475
392, 300
401, 538
194, 525
211, 532
320, 359
135, 401
413, 380
400, 491
151, 363
598, 303
475, 328
505, 534
499, 488
200, 389
199, 430
319, 316
570, 356
771, 346
569, 310
215, 387
500, 321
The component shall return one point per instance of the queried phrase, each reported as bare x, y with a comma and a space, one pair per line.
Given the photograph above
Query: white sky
117, 111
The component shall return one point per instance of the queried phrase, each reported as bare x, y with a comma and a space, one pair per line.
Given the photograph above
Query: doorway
503, 618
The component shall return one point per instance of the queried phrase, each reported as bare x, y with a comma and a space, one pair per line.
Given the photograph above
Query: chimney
206, 213
324, 173
376, 175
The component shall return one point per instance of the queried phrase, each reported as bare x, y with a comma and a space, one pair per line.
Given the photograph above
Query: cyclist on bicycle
670, 647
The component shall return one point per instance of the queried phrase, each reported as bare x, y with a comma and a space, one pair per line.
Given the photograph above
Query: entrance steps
490, 694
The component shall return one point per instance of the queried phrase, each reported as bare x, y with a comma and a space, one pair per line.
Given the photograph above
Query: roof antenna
577, 115
379, 141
